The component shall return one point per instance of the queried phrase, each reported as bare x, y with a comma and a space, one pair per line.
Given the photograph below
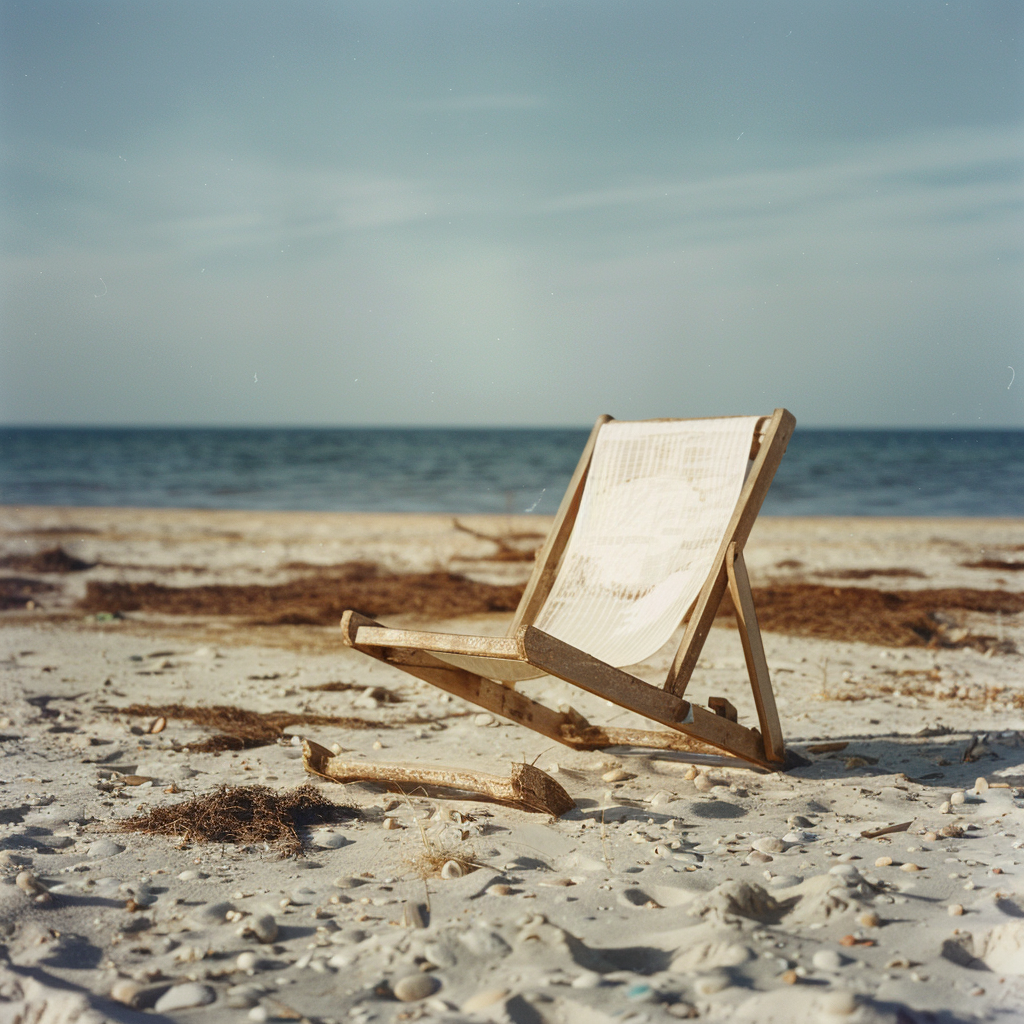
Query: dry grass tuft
243, 815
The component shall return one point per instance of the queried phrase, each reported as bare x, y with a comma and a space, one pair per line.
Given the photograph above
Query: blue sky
511, 213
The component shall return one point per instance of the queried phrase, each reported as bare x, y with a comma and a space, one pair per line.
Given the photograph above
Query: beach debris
527, 788
874, 833
242, 815
181, 997
414, 987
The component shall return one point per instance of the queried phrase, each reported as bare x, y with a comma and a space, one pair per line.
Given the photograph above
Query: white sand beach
672, 890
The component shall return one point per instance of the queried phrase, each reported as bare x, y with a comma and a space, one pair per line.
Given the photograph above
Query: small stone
484, 998
104, 848
347, 882
703, 784
390, 824
709, 984
588, 979
29, 884
180, 997
929, 837
784, 881
909, 866
945, 807
258, 1014
483, 719
499, 889
800, 838
839, 1003
125, 991
958, 797
452, 869
847, 940
790, 977
690, 774
827, 960
980, 784
768, 844
414, 987
869, 919
247, 960
798, 821
617, 775
241, 997
883, 862
955, 910
263, 926
329, 840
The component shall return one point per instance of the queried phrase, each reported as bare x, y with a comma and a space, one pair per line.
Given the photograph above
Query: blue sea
825, 472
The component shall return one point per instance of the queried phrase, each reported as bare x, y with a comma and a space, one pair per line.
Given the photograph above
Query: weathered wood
753, 653
589, 673
773, 447
527, 786
548, 557
501, 647
723, 708
597, 677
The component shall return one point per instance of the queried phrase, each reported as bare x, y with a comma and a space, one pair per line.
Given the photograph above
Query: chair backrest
658, 500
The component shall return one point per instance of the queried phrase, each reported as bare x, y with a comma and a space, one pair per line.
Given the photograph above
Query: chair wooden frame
410, 650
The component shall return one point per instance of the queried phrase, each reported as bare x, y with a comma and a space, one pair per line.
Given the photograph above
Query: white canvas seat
651, 530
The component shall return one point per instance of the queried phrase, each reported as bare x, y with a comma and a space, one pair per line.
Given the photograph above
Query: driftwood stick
527, 787
874, 833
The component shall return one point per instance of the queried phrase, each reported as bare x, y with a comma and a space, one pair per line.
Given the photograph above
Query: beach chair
650, 534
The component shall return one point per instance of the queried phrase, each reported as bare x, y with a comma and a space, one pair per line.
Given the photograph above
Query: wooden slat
597, 677
753, 653
503, 647
546, 565
777, 435
502, 700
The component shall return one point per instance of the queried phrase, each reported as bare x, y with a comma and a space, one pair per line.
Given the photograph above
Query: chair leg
753, 653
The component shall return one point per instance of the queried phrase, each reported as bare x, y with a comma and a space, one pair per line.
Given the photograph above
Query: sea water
824, 472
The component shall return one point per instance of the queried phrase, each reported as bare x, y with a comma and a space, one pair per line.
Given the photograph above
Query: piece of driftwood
874, 833
527, 787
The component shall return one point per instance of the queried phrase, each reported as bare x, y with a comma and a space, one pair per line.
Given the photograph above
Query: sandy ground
670, 891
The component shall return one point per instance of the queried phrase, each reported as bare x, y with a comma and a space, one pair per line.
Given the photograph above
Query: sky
485, 212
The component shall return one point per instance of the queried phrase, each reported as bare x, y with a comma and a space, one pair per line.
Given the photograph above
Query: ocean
825, 472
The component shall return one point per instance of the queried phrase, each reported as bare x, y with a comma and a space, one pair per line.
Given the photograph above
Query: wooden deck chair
650, 533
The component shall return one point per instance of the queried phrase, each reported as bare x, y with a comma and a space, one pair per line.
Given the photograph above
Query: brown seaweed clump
50, 560
20, 592
313, 600
240, 729
244, 815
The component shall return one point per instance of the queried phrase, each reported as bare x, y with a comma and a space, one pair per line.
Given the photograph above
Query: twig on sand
874, 833
527, 787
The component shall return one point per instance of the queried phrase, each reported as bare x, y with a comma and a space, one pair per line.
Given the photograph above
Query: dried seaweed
315, 600
17, 591
50, 560
241, 729
994, 563
244, 815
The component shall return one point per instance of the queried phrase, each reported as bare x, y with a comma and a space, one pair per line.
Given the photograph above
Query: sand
671, 890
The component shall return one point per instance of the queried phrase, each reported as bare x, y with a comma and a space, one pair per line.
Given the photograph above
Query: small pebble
980, 784
486, 997
499, 889
247, 960
691, 773
347, 882
909, 866
839, 1003
958, 797
180, 997
29, 884
827, 960
790, 977
125, 991
329, 840
798, 821
929, 837
617, 775
390, 824
414, 987
883, 862
264, 927
945, 807
955, 910
241, 997
104, 848
799, 837
869, 919
709, 984
258, 1014
703, 784
588, 979
483, 719
768, 844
